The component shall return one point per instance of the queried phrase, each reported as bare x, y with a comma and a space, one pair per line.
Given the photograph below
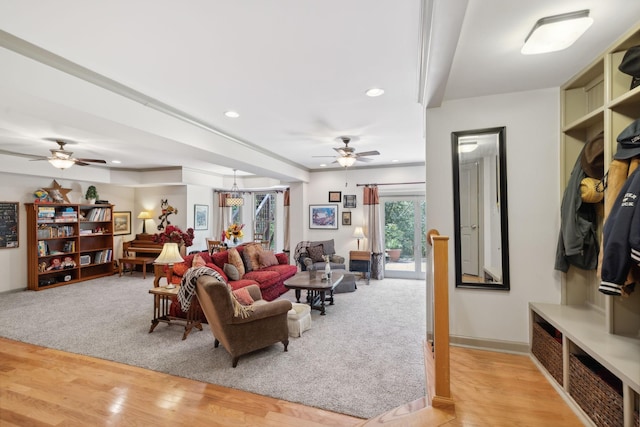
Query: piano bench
143, 261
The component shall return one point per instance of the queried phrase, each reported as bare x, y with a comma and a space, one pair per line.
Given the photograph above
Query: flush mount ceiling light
375, 91
234, 198
467, 147
346, 161
553, 33
231, 114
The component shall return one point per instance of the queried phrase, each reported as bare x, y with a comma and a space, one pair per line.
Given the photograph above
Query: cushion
180, 268
236, 260
198, 261
231, 271
316, 253
267, 259
243, 296
219, 270
329, 247
250, 253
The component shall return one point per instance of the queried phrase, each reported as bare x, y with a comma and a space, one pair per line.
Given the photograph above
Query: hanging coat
578, 241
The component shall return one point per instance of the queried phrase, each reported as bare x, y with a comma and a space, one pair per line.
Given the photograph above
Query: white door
469, 219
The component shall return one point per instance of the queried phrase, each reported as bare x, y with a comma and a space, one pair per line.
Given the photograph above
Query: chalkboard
8, 225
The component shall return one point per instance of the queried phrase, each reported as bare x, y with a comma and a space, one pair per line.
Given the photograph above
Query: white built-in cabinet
590, 342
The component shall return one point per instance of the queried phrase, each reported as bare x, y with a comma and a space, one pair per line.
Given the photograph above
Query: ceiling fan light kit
346, 161
557, 32
61, 163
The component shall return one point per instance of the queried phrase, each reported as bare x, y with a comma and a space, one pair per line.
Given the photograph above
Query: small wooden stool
143, 261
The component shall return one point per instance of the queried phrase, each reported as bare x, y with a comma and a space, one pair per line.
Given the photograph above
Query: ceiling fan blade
342, 151
363, 159
324, 156
90, 160
368, 153
80, 163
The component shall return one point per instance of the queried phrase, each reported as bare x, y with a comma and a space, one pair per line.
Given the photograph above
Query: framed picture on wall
349, 201
335, 196
201, 217
346, 218
323, 216
121, 223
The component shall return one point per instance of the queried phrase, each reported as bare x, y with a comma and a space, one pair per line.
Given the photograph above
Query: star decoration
57, 193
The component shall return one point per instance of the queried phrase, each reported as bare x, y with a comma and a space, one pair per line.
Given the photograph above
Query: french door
404, 235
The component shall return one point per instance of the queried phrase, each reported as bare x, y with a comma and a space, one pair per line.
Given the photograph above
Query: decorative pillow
198, 261
180, 268
328, 245
218, 269
231, 271
267, 259
250, 253
243, 296
236, 260
316, 253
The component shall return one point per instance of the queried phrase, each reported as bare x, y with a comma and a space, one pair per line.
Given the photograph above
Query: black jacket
621, 242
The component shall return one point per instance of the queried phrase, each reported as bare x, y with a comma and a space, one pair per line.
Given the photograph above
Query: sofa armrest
254, 291
261, 311
337, 259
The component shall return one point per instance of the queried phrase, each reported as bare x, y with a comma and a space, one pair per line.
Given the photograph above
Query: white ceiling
295, 71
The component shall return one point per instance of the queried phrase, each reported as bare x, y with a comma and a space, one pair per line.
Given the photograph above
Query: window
264, 222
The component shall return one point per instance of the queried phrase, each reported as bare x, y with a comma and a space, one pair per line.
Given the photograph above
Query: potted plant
91, 194
393, 242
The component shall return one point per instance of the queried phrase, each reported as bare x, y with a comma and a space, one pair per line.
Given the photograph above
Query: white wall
317, 192
532, 145
20, 188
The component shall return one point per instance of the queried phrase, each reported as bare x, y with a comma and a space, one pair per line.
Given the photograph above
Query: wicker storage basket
596, 391
547, 350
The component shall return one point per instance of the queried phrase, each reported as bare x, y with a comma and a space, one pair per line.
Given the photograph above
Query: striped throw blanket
188, 290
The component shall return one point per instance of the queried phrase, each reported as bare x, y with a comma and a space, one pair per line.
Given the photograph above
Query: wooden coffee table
161, 303
316, 288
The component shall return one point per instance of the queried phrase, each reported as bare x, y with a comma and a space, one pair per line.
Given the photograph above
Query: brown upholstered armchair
265, 325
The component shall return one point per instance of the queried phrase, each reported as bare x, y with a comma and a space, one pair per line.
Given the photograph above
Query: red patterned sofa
269, 279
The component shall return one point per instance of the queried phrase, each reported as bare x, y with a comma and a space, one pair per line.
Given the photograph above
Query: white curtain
287, 234
222, 217
373, 230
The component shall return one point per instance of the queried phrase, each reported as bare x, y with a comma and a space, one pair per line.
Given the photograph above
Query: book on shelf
43, 249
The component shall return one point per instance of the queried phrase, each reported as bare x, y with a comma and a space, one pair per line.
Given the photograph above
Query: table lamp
144, 216
170, 255
358, 234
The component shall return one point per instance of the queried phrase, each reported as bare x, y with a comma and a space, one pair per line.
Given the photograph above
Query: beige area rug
363, 358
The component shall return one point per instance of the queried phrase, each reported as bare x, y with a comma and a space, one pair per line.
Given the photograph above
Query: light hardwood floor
45, 387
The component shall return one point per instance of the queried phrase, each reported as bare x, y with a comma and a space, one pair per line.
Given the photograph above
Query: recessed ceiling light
395, 161
231, 114
375, 91
323, 165
116, 161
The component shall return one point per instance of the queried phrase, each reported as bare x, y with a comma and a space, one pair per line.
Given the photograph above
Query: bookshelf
68, 243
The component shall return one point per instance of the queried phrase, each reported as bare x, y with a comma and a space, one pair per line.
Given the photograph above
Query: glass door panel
405, 241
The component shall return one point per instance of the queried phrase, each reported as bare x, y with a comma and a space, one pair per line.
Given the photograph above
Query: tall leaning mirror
480, 208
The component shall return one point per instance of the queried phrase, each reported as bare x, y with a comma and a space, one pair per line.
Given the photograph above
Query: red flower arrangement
173, 234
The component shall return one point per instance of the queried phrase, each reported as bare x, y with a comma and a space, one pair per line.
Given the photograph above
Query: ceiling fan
62, 159
348, 156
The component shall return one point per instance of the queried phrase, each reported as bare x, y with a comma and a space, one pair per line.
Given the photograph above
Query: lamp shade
170, 254
358, 233
346, 161
144, 215
61, 163
235, 197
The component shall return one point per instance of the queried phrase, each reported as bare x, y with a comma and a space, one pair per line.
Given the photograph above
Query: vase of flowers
234, 232
173, 234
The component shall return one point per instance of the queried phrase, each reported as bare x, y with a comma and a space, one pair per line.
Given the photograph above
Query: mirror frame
505, 285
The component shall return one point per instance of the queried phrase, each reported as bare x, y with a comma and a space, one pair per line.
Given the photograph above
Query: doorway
404, 235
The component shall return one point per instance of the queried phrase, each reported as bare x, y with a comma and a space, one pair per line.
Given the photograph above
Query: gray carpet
363, 358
